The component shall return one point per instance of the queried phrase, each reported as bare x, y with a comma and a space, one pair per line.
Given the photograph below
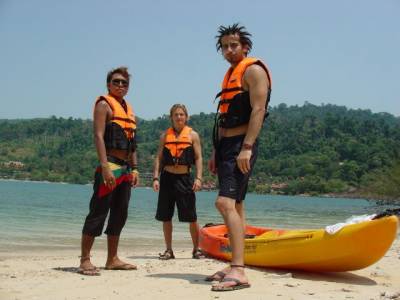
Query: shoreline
127, 244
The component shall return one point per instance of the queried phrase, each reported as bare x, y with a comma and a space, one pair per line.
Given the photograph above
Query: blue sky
55, 54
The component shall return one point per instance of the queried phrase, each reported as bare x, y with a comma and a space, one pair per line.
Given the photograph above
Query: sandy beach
52, 275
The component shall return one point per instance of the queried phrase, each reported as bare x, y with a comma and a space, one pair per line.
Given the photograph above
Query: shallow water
37, 215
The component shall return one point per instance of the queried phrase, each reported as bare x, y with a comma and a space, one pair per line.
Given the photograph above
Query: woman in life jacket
179, 149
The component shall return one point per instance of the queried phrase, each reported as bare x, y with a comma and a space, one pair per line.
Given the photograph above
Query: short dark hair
236, 28
120, 70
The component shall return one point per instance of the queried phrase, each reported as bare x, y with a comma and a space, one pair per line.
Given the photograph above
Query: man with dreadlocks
242, 109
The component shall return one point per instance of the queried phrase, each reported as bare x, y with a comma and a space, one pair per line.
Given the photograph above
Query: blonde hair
177, 106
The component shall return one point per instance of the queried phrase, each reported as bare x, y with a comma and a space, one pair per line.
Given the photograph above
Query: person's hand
108, 177
211, 164
196, 185
156, 185
243, 161
134, 178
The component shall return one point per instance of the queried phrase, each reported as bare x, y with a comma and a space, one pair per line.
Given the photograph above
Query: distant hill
305, 149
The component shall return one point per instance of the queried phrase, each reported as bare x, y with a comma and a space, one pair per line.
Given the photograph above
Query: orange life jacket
234, 104
178, 150
120, 131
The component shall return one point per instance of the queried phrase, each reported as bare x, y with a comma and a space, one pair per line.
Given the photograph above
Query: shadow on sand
337, 277
76, 269
154, 257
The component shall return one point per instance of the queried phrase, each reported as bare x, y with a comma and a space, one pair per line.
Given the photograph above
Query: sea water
40, 215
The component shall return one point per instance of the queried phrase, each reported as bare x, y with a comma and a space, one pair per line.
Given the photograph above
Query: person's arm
101, 112
157, 164
134, 172
257, 82
211, 162
198, 161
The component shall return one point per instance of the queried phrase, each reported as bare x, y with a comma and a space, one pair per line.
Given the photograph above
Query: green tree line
305, 149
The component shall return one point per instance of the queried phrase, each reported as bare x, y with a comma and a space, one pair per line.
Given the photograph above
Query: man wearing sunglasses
115, 139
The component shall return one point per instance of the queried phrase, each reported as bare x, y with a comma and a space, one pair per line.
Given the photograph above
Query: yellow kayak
353, 247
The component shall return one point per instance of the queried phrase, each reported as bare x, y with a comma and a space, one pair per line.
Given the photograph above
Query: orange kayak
353, 247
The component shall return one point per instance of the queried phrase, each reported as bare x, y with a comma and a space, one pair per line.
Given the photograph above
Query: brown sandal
238, 285
168, 254
217, 276
197, 254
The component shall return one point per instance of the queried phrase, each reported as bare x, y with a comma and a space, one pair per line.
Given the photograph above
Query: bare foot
117, 264
87, 268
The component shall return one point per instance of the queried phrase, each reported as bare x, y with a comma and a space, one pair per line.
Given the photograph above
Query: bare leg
86, 267
113, 261
167, 228
86, 245
112, 245
168, 253
242, 214
194, 233
234, 223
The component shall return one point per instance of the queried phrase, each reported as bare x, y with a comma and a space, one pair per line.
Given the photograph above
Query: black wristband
155, 179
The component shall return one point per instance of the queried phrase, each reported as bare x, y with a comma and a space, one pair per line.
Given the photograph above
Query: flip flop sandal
217, 276
197, 254
237, 286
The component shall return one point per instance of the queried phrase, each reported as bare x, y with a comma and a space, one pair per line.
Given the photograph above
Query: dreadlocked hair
244, 36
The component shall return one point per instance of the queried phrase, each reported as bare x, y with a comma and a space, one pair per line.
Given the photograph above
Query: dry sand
53, 276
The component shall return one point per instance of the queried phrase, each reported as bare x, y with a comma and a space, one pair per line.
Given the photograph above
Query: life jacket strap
177, 142
223, 101
123, 119
234, 89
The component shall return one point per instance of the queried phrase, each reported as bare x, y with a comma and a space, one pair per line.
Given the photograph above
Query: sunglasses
120, 82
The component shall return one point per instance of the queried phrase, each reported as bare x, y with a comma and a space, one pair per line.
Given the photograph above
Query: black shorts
232, 182
176, 188
115, 202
